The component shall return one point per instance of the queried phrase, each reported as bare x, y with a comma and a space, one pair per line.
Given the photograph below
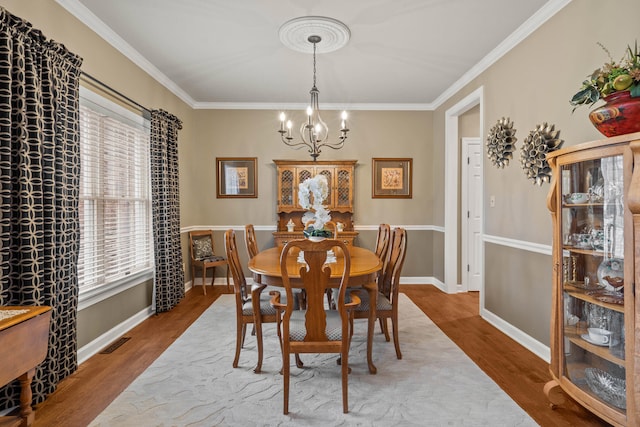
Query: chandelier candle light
314, 133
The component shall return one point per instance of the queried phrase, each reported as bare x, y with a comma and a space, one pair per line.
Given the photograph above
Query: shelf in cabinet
584, 251
581, 294
600, 351
582, 205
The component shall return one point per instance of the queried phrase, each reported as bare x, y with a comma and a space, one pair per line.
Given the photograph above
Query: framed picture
236, 177
391, 178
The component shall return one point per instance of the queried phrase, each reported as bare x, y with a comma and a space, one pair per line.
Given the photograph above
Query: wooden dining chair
204, 257
316, 329
250, 240
252, 250
388, 289
252, 305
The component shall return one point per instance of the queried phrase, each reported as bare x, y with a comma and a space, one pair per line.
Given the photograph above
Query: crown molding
522, 32
78, 10
95, 24
300, 106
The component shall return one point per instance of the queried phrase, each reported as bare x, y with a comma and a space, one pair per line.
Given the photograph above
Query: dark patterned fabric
39, 187
169, 277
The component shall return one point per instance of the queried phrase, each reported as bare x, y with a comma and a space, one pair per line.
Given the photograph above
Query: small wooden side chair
203, 256
316, 329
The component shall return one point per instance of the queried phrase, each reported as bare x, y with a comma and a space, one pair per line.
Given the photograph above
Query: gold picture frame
236, 177
391, 178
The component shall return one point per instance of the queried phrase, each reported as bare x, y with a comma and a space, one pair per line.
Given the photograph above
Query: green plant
610, 78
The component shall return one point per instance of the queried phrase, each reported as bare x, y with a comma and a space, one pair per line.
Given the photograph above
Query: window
115, 199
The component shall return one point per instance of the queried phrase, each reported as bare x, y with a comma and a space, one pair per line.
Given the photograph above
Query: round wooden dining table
365, 268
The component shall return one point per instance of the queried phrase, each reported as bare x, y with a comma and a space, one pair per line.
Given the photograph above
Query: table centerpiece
311, 193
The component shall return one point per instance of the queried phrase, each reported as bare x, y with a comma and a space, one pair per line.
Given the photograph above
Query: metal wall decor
501, 142
540, 141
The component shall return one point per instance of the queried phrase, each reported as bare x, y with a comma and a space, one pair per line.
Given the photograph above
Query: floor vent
115, 345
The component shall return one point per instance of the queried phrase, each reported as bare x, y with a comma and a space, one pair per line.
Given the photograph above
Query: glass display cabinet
594, 200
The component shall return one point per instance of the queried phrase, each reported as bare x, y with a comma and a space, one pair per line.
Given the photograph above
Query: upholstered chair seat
298, 331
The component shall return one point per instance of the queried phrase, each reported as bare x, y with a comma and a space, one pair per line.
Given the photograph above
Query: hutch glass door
592, 226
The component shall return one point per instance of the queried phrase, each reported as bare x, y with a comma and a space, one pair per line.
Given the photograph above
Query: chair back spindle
250, 240
382, 242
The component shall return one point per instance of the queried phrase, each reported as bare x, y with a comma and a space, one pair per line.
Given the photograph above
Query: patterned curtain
169, 277
39, 188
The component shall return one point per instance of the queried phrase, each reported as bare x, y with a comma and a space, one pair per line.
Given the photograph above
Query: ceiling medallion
540, 141
295, 33
501, 142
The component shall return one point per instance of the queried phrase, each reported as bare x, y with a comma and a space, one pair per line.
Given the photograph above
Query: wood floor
82, 396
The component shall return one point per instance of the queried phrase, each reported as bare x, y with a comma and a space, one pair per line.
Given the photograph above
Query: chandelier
314, 133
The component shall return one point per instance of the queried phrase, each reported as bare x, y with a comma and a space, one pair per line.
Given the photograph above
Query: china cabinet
339, 201
594, 202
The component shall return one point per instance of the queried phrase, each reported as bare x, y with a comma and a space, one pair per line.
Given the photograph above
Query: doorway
452, 261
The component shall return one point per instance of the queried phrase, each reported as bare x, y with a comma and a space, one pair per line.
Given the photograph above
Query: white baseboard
113, 334
531, 344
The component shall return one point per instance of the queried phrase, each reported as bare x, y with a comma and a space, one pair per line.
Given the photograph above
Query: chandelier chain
314, 65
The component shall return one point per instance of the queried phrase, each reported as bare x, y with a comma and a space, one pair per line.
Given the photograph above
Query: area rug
193, 383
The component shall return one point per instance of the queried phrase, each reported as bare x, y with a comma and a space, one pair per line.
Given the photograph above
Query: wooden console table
24, 337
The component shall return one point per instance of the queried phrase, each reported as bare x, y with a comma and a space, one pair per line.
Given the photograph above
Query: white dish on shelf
611, 269
588, 339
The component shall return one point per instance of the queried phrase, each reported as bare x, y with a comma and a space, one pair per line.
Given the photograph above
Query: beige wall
250, 133
531, 84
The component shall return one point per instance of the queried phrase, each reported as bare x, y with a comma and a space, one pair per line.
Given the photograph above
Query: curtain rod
112, 90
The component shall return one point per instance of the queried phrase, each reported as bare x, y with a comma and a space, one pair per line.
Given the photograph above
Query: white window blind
115, 195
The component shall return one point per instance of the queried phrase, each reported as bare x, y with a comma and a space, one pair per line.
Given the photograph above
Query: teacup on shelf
575, 198
599, 335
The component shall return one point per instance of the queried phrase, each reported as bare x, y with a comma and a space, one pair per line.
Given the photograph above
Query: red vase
618, 116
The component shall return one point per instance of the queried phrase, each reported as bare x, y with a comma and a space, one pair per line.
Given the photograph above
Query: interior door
472, 254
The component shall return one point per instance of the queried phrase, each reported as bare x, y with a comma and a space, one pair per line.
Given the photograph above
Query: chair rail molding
518, 244
418, 227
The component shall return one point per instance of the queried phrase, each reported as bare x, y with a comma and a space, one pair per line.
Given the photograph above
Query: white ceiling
402, 55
